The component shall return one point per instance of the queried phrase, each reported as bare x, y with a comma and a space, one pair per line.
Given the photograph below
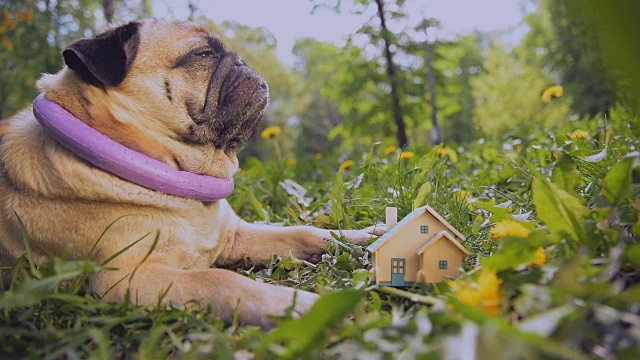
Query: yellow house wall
404, 244
443, 249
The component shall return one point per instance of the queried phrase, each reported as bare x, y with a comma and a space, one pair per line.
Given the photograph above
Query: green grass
582, 303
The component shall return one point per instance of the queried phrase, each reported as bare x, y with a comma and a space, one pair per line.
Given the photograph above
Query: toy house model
422, 247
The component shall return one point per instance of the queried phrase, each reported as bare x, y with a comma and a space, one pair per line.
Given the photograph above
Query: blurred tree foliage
457, 63
339, 98
376, 94
508, 93
34, 32
357, 80
615, 26
565, 44
317, 106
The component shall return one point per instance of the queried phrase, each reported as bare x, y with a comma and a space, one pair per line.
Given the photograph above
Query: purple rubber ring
126, 163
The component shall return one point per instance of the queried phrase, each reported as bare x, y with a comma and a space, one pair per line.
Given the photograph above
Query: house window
442, 264
424, 229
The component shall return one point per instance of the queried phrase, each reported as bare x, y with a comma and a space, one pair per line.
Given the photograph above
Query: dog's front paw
362, 237
278, 301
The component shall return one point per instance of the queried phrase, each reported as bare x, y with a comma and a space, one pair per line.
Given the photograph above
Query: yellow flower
446, 151
11, 24
509, 228
465, 293
552, 92
318, 156
271, 132
347, 165
489, 288
580, 135
406, 155
7, 44
292, 162
243, 172
540, 258
389, 149
485, 292
29, 15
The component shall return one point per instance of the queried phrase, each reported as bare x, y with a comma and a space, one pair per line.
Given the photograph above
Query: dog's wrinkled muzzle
235, 101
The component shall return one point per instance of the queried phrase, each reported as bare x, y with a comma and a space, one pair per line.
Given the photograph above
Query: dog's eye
207, 53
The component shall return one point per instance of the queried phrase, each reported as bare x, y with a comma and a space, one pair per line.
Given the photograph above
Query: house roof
407, 219
442, 234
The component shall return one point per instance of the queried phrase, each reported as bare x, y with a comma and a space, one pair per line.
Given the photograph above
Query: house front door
397, 271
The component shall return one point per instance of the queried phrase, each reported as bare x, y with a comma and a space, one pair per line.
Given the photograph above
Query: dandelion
406, 155
318, 156
7, 44
29, 16
389, 149
552, 92
292, 162
580, 135
11, 24
270, 132
446, 151
509, 228
485, 292
490, 294
540, 258
347, 165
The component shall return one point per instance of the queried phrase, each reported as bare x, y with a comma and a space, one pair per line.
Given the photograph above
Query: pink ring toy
126, 163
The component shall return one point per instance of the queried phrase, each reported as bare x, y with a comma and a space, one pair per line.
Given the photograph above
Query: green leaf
477, 224
512, 253
597, 157
618, 181
498, 211
425, 189
310, 331
632, 294
562, 212
565, 175
257, 206
546, 322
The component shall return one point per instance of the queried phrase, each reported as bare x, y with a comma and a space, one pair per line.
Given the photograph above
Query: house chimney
392, 217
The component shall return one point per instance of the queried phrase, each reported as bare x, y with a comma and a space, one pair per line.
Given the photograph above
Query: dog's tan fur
66, 203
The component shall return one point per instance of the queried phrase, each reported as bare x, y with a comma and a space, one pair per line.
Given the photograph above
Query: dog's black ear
106, 58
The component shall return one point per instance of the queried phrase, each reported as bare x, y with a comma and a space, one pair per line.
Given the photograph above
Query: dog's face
168, 89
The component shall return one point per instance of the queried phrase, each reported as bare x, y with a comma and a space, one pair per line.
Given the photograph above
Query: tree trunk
193, 7
109, 10
435, 130
393, 79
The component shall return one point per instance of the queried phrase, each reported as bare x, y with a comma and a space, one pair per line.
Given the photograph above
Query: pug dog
173, 92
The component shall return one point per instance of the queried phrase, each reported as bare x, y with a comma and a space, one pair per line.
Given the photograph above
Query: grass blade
124, 249
27, 246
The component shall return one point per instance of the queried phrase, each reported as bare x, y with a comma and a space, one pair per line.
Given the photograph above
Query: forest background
341, 99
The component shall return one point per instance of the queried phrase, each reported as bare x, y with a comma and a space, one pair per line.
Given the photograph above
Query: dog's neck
126, 163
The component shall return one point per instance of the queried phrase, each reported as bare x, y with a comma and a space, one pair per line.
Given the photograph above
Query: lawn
552, 218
